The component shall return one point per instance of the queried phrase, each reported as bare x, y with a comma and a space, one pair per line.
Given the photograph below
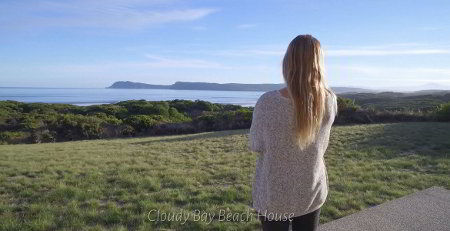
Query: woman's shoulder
266, 97
269, 94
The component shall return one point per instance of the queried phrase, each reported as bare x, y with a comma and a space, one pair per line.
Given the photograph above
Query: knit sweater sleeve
334, 104
256, 141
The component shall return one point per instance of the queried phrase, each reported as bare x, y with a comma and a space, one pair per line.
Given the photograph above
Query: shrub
5, 137
245, 114
41, 108
12, 137
205, 122
347, 105
142, 107
176, 116
108, 109
349, 112
141, 122
109, 119
43, 136
232, 107
31, 121
205, 106
194, 107
127, 130
74, 127
8, 106
224, 120
443, 112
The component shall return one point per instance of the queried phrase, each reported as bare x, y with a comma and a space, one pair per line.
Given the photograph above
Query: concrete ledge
428, 209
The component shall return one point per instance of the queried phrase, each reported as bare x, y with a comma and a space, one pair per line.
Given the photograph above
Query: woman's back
288, 179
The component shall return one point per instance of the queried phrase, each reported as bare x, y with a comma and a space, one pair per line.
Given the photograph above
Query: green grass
114, 184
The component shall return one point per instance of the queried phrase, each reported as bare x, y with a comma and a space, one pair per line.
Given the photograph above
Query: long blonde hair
303, 72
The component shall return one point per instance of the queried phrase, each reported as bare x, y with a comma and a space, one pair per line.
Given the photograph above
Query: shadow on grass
205, 135
425, 139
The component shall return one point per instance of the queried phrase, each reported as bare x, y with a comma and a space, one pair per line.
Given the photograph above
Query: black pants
307, 222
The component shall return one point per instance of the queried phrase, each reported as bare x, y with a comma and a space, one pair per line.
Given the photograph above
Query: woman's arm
335, 105
256, 130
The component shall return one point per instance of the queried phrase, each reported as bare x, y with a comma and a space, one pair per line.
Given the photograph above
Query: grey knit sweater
287, 180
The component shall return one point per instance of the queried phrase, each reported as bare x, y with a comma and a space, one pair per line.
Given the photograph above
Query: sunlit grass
114, 184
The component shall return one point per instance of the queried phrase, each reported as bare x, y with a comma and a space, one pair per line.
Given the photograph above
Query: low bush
347, 105
225, 120
43, 136
351, 113
143, 122
13, 137
443, 112
76, 127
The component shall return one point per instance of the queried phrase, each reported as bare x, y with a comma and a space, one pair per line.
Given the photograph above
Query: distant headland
218, 86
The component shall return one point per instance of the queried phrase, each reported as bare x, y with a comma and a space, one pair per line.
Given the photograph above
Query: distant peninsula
218, 86
199, 86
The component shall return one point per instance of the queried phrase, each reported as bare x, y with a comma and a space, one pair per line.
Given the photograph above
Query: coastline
97, 96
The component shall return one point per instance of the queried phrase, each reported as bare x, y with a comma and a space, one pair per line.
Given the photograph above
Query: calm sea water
91, 96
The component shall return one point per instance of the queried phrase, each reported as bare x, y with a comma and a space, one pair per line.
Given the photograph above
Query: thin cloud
163, 62
199, 28
430, 28
388, 50
116, 14
245, 26
153, 62
409, 73
249, 52
380, 52
394, 78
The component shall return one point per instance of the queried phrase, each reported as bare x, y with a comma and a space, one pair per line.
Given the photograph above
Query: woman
290, 129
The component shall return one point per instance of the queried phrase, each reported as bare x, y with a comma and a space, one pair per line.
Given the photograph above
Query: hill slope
396, 101
114, 184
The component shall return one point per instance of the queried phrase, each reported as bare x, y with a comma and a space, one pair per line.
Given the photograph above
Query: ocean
92, 96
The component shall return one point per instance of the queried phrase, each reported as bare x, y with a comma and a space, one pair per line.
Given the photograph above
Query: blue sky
402, 45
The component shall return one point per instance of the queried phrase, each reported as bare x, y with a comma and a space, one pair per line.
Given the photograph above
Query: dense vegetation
41, 122
422, 101
350, 112
114, 184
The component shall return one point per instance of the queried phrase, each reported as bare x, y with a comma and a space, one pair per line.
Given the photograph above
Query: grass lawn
115, 184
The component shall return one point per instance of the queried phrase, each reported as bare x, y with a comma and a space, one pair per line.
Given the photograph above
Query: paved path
428, 209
